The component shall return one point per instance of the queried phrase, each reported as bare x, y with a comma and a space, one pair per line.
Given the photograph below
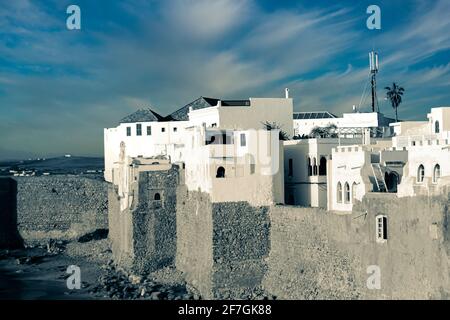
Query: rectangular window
139, 129
291, 168
174, 129
381, 228
243, 140
128, 131
163, 129
149, 130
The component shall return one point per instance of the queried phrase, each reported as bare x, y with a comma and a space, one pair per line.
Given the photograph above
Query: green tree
394, 94
324, 132
274, 126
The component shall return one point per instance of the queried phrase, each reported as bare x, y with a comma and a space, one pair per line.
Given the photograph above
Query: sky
59, 88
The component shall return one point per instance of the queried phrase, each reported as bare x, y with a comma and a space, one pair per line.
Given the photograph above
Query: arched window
354, 185
323, 166
420, 173
347, 192
314, 167
339, 192
157, 196
309, 167
436, 127
436, 173
220, 172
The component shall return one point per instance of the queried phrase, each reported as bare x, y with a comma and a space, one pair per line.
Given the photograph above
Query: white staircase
379, 177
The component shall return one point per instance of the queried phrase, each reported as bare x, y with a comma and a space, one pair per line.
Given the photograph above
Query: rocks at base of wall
118, 284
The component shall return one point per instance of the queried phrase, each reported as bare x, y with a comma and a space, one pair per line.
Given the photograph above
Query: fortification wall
228, 249
194, 255
60, 207
311, 256
317, 254
221, 247
143, 237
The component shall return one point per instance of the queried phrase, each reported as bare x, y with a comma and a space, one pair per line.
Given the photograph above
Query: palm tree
394, 94
324, 132
274, 126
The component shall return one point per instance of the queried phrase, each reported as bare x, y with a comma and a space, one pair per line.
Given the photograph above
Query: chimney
286, 93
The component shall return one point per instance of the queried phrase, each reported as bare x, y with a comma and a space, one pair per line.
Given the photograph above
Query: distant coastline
76, 165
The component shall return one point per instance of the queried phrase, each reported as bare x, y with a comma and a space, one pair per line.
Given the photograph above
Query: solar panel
313, 115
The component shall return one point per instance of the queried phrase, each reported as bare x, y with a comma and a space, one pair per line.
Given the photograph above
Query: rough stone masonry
227, 249
60, 207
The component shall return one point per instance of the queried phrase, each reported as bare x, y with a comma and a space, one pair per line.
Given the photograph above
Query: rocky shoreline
38, 271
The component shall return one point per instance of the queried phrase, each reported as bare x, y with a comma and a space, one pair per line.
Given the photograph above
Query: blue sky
60, 88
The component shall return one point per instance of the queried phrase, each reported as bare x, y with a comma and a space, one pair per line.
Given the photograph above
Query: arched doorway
392, 180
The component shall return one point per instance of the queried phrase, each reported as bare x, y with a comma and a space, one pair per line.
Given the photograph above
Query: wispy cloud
63, 86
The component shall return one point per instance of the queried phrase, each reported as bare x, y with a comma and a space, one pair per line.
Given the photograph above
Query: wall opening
339, 193
436, 173
381, 228
139, 129
314, 166
243, 140
436, 127
310, 170
392, 180
250, 160
323, 166
157, 196
354, 186
347, 193
220, 172
420, 173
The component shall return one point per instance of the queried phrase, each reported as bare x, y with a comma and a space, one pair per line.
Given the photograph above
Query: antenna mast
373, 65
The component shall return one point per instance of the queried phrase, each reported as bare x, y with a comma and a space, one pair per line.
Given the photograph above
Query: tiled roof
313, 115
146, 115
142, 115
200, 103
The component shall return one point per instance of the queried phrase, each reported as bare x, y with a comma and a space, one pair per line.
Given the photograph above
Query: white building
207, 136
416, 161
143, 134
305, 163
349, 125
244, 165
